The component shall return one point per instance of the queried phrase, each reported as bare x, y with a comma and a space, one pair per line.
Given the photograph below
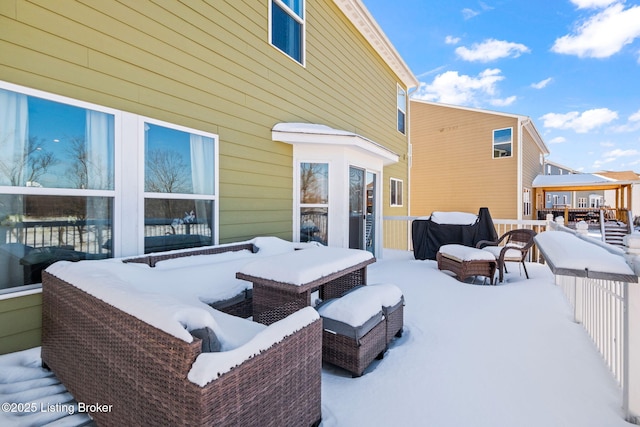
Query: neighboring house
564, 198
135, 126
465, 158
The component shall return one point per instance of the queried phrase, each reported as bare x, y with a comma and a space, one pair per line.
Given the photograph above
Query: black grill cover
428, 236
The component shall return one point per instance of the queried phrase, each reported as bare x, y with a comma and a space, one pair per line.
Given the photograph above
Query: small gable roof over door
308, 133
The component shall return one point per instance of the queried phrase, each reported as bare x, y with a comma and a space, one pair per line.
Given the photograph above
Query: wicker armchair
512, 246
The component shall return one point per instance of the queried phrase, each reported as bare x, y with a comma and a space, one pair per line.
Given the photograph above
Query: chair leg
525, 269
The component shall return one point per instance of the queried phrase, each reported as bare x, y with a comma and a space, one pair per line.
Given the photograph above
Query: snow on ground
471, 355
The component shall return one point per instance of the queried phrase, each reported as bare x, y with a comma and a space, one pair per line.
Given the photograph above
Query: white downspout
520, 169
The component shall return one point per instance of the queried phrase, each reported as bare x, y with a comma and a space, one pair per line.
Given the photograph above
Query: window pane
502, 150
501, 135
49, 144
402, 99
176, 224
36, 231
286, 33
178, 162
314, 225
295, 6
401, 121
314, 183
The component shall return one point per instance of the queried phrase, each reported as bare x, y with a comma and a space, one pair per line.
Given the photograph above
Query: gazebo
618, 209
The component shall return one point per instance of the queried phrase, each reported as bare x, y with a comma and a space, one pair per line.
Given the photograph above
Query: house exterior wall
207, 66
453, 168
531, 167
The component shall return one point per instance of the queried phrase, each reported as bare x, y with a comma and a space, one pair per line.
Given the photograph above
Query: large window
502, 142
402, 109
179, 185
396, 192
314, 202
56, 185
287, 27
81, 181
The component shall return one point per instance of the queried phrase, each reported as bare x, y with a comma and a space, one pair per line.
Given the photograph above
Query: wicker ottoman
392, 303
465, 261
354, 331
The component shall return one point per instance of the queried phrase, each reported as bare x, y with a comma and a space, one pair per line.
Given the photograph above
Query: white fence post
632, 391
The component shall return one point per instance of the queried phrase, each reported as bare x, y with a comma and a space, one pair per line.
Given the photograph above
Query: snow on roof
571, 179
312, 133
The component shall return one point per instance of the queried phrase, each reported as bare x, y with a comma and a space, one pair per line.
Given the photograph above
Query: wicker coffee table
465, 261
283, 284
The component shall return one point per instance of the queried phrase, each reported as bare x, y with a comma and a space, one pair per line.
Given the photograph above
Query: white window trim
301, 20
128, 233
404, 111
493, 143
391, 184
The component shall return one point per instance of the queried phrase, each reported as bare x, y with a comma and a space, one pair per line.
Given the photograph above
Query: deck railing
397, 231
609, 312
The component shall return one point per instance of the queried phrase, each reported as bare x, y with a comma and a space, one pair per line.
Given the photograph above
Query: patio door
362, 209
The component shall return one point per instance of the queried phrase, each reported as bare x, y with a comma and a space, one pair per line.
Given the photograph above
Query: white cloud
541, 84
632, 125
452, 40
603, 34
452, 88
592, 4
558, 140
469, 13
607, 144
503, 102
490, 50
579, 122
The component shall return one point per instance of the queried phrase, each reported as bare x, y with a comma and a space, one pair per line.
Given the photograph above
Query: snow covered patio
470, 355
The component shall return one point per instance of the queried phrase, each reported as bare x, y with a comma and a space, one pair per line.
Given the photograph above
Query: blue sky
573, 66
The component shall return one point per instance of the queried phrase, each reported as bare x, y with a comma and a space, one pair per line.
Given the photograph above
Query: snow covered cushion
465, 253
193, 260
511, 254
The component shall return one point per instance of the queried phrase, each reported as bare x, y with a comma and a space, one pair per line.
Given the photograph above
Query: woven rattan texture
103, 355
353, 355
465, 269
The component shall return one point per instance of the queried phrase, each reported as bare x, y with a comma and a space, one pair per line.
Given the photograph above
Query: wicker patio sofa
105, 352
139, 373
238, 305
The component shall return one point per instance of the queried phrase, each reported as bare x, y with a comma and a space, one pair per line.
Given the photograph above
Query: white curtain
202, 174
98, 144
13, 137
98, 140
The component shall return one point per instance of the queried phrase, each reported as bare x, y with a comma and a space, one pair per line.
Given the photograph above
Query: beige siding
208, 65
453, 165
531, 167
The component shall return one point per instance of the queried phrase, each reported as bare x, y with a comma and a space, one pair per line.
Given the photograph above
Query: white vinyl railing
397, 231
599, 305
608, 310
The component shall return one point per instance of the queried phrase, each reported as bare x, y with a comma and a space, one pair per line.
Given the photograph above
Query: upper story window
396, 192
502, 142
288, 27
402, 109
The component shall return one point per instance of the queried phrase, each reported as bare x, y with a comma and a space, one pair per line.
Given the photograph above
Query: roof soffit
369, 28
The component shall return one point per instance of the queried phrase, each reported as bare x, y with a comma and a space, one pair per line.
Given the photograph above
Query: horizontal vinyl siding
453, 168
20, 323
208, 65
531, 167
